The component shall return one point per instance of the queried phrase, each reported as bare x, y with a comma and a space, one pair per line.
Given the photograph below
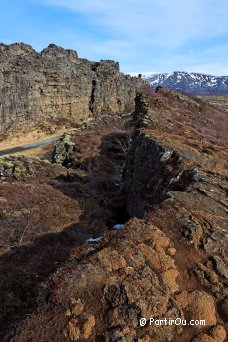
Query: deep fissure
129, 174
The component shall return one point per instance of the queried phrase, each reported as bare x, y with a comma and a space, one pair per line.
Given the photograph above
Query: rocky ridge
55, 85
166, 167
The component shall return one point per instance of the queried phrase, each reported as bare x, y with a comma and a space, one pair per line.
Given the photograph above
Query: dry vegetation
170, 263
217, 100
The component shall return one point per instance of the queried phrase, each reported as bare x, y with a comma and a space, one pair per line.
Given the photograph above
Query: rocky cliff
55, 85
165, 259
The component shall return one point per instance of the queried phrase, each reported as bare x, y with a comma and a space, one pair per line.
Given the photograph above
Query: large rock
199, 305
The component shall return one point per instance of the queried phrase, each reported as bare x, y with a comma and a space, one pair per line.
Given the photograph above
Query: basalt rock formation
69, 275
55, 85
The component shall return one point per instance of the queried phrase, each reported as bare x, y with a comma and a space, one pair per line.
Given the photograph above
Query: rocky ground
68, 275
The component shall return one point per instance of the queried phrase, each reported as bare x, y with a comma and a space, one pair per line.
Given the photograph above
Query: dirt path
33, 145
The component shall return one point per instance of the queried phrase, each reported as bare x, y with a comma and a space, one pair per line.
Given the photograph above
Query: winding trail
29, 146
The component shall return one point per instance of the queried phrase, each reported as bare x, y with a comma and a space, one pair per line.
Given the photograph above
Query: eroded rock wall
56, 85
152, 169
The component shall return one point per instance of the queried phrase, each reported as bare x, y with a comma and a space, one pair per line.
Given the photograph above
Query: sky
144, 36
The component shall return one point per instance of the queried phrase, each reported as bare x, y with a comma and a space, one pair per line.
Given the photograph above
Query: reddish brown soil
56, 287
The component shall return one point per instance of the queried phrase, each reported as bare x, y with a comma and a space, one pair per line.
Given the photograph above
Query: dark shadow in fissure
25, 268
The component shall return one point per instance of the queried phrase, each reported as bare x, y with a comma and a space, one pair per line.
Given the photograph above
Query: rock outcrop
69, 275
55, 85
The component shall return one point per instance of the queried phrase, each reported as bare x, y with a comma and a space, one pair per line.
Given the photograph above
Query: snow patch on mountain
189, 82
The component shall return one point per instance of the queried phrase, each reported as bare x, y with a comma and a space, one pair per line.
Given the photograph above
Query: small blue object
93, 240
118, 226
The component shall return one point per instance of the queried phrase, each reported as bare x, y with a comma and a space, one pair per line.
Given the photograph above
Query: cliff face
178, 140
57, 85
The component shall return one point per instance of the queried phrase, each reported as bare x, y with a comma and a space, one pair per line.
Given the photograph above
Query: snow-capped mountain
189, 82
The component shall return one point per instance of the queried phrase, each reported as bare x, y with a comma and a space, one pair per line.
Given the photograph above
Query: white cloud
215, 69
210, 61
164, 22
159, 35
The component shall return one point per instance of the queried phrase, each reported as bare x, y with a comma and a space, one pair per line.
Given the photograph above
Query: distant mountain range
194, 83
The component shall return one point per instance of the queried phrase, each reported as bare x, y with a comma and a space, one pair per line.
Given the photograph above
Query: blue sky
143, 35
